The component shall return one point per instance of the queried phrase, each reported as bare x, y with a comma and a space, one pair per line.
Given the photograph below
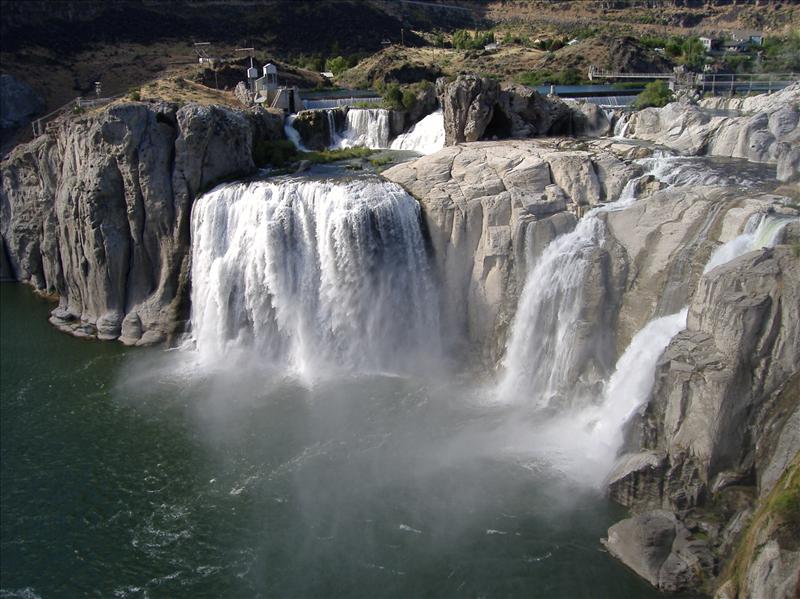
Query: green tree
393, 96
337, 65
655, 94
693, 53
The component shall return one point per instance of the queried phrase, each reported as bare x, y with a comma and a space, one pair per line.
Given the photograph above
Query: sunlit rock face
98, 211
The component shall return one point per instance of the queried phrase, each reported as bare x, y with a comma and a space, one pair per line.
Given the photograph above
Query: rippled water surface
128, 473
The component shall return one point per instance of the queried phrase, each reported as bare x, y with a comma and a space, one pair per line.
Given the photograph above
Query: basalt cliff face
97, 211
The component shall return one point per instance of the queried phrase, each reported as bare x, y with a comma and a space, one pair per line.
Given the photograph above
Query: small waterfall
552, 339
293, 134
426, 137
367, 127
621, 126
313, 275
333, 136
761, 230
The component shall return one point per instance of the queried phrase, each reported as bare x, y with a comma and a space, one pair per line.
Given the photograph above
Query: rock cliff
97, 211
760, 129
478, 108
721, 425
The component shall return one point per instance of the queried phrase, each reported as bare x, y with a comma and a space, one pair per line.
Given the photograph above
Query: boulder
468, 106
660, 549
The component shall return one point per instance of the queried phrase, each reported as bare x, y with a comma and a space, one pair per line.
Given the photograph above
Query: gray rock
98, 211
766, 130
661, 550
468, 106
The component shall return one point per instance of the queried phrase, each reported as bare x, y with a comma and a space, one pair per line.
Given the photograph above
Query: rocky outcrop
660, 549
468, 106
317, 128
722, 422
98, 211
768, 130
480, 108
18, 102
492, 207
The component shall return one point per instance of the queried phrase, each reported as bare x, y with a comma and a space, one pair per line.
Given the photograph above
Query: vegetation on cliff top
655, 94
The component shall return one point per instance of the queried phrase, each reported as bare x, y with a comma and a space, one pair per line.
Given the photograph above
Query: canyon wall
97, 211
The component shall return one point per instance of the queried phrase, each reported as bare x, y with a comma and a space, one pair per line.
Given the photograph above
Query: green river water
128, 473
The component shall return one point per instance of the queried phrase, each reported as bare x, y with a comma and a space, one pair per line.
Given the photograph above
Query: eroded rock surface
98, 211
478, 108
764, 128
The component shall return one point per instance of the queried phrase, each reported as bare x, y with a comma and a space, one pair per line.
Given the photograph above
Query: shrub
464, 40
409, 99
337, 65
277, 153
135, 95
655, 94
393, 96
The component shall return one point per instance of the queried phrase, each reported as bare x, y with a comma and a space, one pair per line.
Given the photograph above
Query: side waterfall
293, 134
313, 275
426, 137
368, 127
586, 442
550, 338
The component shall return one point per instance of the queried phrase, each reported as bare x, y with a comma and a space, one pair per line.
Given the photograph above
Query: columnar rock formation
98, 211
478, 108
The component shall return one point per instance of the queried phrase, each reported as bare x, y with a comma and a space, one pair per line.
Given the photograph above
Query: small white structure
269, 82
707, 42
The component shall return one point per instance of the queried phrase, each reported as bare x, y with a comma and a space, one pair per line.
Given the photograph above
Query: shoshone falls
449, 379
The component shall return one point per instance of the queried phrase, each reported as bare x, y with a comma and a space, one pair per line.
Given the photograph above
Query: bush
135, 95
409, 99
655, 94
337, 65
393, 96
277, 153
464, 40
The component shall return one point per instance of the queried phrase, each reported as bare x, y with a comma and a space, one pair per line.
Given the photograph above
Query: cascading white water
293, 134
313, 275
550, 338
585, 442
761, 230
367, 127
333, 136
426, 137
621, 126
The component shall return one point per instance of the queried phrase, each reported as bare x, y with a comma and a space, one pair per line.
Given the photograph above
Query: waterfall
552, 339
368, 127
426, 137
621, 126
333, 136
586, 441
293, 134
313, 276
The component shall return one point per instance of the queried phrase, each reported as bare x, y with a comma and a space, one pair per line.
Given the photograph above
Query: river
143, 473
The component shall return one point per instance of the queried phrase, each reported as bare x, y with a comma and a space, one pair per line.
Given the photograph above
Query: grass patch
326, 156
779, 513
381, 161
282, 153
